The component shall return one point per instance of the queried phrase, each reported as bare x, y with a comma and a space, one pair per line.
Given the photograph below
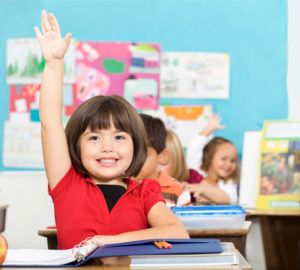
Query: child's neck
212, 178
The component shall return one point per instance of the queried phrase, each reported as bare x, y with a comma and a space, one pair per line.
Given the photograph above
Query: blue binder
147, 247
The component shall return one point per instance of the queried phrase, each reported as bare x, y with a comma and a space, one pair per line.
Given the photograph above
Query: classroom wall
30, 206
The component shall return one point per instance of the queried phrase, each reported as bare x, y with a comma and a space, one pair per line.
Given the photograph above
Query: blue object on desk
211, 217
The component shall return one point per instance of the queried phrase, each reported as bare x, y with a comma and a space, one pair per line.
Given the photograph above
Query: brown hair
179, 169
210, 150
156, 132
99, 113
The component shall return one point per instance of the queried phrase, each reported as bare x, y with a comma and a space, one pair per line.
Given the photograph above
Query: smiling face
224, 162
106, 154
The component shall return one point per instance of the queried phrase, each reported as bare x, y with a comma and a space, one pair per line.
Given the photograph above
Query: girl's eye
120, 137
94, 138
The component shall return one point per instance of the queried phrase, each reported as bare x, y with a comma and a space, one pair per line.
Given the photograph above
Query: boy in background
173, 191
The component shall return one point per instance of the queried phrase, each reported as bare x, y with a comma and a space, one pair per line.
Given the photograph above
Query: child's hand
213, 124
52, 44
195, 189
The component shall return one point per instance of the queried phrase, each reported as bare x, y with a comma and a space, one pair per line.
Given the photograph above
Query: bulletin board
253, 33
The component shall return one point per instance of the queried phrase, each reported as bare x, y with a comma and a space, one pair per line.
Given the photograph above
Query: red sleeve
151, 193
62, 183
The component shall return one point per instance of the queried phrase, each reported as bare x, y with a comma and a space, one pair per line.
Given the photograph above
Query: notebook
229, 256
81, 255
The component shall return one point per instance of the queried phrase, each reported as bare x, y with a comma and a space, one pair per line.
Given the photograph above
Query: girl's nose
107, 145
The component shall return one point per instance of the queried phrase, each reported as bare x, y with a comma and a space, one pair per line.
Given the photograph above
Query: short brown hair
210, 150
99, 113
156, 132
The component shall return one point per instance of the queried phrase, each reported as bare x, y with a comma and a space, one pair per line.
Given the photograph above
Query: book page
42, 257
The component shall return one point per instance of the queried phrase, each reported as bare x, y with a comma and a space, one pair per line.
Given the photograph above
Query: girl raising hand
89, 165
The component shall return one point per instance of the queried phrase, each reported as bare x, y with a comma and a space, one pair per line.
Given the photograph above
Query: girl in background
216, 159
176, 165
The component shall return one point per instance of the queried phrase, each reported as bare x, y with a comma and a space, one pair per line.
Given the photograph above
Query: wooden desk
243, 265
281, 237
237, 236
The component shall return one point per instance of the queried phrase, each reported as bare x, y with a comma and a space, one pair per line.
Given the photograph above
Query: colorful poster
195, 75
186, 121
279, 186
22, 138
119, 68
25, 64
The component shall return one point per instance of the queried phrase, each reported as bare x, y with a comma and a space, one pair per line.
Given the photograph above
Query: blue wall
253, 32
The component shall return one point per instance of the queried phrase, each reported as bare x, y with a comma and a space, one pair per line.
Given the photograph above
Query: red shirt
81, 210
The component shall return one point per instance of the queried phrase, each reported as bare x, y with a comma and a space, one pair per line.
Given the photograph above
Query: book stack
229, 256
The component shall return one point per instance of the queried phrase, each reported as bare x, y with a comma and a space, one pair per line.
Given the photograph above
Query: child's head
176, 164
220, 159
156, 134
112, 135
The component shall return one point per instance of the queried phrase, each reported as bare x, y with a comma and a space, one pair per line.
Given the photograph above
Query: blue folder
147, 247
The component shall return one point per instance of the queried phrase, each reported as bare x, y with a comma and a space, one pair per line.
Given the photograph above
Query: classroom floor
254, 247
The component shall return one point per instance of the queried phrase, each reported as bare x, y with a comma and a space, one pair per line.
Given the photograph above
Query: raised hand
213, 124
53, 45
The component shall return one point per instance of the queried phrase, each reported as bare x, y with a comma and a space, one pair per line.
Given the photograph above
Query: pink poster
119, 68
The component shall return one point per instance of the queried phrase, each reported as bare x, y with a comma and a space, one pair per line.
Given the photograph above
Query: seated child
173, 192
217, 158
176, 165
89, 164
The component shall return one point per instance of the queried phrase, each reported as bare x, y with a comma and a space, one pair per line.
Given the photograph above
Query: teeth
107, 161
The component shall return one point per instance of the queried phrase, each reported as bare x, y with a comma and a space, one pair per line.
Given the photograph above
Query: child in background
173, 192
88, 164
217, 158
176, 165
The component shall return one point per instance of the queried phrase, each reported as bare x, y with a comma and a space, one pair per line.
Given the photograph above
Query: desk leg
52, 242
280, 236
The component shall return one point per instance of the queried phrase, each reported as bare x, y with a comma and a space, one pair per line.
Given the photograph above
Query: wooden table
281, 237
237, 236
243, 265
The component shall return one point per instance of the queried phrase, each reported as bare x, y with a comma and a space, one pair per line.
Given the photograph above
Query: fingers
54, 23
38, 33
45, 22
68, 38
42, 24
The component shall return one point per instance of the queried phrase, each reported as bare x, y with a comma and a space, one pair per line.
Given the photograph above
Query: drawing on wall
119, 68
25, 64
22, 138
280, 166
195, 75
186, 121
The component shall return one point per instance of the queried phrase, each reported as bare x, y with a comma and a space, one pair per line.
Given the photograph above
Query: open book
81, 255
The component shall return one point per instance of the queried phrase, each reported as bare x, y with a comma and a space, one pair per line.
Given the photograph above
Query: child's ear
163, 157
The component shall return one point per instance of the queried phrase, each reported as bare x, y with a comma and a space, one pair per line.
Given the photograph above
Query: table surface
261, 212
222, 231
48, 232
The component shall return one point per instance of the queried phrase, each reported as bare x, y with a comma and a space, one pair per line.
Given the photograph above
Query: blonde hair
178, 168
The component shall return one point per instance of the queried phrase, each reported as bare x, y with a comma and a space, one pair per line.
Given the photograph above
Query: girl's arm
211, 192
55, 149
164, 224
195, 149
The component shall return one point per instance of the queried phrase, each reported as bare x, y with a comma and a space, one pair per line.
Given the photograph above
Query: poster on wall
186, 121
195, 75
279, 187
25, 64
126, 69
